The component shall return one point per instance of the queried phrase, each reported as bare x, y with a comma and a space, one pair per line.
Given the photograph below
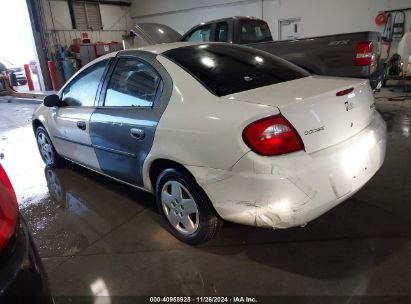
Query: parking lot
97, 236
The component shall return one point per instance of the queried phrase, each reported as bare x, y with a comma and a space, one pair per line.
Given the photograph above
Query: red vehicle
21, 270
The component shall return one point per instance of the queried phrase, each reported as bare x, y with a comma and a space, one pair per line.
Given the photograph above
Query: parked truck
345, 55
13, 69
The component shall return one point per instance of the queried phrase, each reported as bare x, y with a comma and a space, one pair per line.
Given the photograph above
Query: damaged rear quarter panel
263, 200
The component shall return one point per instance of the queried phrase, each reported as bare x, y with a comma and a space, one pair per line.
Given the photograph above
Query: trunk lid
154, 33
312, 106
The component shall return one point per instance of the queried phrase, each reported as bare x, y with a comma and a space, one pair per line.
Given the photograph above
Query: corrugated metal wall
87, 15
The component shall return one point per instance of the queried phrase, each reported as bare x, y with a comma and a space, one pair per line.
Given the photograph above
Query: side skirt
109, 176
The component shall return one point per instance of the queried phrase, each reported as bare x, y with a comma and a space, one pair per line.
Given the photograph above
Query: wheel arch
159, 165
37, 123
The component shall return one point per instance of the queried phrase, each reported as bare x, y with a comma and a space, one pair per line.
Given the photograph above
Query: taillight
364, 53
8, 209
272, 136
344, 92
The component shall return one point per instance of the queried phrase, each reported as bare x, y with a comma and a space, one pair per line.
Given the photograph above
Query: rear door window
201, 34
226, 69
133, 83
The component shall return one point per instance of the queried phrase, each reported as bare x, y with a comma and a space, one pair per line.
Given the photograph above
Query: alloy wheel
45, 147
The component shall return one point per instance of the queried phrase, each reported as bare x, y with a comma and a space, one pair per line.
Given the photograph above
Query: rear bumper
291, 190
22, 274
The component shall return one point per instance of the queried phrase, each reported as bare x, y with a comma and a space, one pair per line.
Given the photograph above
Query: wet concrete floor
96, 235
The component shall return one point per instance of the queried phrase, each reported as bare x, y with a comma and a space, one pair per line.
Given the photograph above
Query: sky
15, 32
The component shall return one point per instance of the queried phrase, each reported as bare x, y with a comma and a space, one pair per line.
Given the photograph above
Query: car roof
231, 18
164, 47
223, 20
155, 49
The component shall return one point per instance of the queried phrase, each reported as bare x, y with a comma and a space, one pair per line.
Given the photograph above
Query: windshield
226, 69
254, 31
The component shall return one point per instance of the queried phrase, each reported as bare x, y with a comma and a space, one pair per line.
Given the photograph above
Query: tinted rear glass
226, 69
254, 31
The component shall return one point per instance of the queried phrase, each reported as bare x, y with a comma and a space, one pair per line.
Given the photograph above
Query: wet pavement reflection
97, 234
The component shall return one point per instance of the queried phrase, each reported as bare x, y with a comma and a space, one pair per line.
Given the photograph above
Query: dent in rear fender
206, 176
269, 215
256, 199
258, 202
285, 167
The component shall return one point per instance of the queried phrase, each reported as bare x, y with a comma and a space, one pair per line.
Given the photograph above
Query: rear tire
47, 151
185, 208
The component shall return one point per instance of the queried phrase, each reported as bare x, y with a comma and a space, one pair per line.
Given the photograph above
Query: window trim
106, 69
103, 92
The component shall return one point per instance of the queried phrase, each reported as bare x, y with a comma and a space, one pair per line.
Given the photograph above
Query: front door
69, 125
122, 128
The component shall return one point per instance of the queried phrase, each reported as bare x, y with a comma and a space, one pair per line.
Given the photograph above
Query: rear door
132, 101
69, 125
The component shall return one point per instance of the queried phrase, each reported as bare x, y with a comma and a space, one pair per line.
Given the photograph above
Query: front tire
47, 151
185, 208
55, 186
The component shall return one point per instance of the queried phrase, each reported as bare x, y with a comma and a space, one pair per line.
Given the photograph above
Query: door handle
81, 125
138, 133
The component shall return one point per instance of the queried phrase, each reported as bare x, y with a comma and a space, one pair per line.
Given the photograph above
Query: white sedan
217, 131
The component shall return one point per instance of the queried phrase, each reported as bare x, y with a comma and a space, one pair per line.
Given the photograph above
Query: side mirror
52, 101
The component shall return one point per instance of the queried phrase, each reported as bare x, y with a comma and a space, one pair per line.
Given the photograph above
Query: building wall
319, 17
116, 22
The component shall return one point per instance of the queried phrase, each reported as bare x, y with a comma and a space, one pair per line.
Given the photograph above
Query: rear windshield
254, 31
226, 69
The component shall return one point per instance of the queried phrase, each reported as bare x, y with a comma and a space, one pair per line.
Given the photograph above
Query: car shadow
342, 243
348, 240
